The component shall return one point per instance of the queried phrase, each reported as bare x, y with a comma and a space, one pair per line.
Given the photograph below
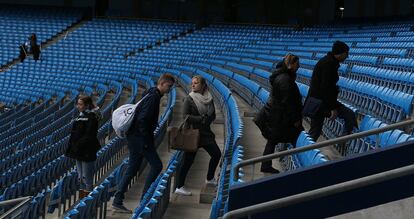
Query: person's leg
156, 166
135, 159
269, 149
88, 169
214, 151
350, 120
188, 161
80, 174
316, 125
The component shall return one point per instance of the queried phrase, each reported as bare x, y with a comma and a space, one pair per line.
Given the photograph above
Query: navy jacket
146, 116
323, 84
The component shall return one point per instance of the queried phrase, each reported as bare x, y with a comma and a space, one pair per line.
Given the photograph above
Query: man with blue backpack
140, 138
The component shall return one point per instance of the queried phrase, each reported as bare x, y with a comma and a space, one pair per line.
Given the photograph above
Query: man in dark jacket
140, 139
323, 87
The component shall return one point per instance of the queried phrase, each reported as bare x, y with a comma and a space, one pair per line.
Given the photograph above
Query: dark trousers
213, 150
290, 136
269, 149
138, 150
343, 113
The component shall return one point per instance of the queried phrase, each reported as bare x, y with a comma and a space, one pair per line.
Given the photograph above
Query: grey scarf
203, 102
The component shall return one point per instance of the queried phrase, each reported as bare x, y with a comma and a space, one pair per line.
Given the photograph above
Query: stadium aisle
252, 140
133, 195
190, 206
181, 203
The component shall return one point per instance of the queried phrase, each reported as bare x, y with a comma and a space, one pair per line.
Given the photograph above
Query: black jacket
35, 50
201, 122
284, 108
83, 141
146, 116
323, 84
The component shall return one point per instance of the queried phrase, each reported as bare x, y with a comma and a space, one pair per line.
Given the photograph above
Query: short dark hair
339, 47
166, 77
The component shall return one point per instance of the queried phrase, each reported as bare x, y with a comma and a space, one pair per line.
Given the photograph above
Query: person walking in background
200, 113
34, 48
140, 138
83, 143
22, 52
323, 87
280, 120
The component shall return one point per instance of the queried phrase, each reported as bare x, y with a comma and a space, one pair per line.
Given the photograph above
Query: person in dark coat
83, 143
280, 120
22, 52
140, 138
34, 48
323, 87
200, 111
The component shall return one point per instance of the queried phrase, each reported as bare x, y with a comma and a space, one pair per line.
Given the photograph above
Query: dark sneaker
269, 170
121, 209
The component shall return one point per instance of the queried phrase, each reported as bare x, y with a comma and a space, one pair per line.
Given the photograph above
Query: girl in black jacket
83, 143
283, 111
199, 108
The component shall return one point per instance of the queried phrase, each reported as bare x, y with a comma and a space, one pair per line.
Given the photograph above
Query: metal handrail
326, 143
322, 192
10, 212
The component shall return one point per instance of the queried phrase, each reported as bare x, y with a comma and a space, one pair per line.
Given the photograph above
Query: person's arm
210, 118
286, 88
192, 119
328, 87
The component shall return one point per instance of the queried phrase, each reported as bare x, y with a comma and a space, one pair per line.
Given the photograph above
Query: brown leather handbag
184, 138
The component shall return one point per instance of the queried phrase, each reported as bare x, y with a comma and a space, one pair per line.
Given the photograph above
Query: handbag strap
185, 122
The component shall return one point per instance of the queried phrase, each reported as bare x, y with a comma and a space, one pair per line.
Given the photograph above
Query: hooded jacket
83, 141
284, 108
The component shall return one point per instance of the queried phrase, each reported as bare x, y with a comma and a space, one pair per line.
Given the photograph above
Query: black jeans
138, 150
343, 113
213, 150
290, 135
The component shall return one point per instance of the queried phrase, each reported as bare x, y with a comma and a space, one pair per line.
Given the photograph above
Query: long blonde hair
290, 59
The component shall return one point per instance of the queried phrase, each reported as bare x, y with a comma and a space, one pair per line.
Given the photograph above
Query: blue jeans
85, 172
139, 148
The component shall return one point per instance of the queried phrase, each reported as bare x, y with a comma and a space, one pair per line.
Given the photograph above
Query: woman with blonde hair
200, 113
280, 120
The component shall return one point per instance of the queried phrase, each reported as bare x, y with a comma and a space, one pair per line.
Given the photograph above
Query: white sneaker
211, 182
183, 191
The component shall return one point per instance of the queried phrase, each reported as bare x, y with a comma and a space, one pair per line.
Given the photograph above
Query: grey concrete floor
252, 141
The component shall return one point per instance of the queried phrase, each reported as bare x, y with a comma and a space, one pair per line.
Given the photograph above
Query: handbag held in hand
184, 138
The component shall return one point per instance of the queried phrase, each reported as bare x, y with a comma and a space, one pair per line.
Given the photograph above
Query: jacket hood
280, 69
